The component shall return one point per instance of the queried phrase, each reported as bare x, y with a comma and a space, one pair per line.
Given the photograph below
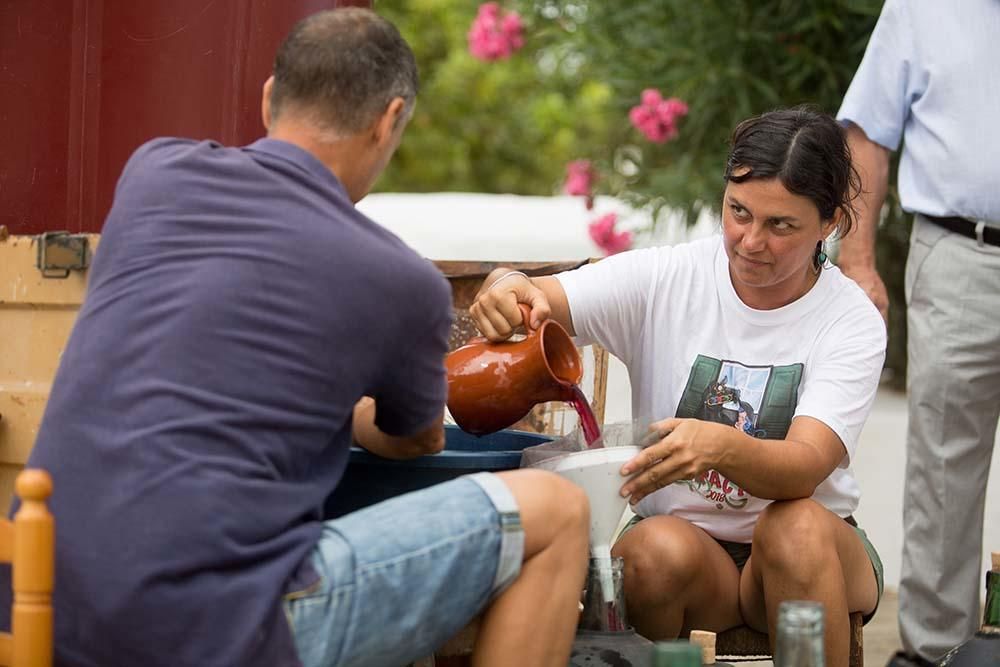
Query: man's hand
870, 281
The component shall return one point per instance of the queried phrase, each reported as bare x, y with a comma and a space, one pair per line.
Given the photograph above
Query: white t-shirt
694, 349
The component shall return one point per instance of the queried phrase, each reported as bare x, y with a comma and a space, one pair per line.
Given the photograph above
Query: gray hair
343, 67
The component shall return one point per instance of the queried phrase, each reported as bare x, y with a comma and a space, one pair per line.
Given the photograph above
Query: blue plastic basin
370, 479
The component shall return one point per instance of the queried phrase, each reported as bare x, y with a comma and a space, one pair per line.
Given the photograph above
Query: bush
728, 61
511, 125
503, 126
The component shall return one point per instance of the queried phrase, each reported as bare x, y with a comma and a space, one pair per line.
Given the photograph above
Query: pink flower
580, 175
602, 232
656, 117
494, 34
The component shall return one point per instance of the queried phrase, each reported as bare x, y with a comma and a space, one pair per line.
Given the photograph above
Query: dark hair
344, 65
807, 151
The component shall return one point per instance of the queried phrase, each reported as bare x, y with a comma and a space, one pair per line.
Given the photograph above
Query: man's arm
857, 249
367, 435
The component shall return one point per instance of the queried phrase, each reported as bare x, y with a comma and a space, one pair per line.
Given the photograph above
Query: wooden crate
36, 316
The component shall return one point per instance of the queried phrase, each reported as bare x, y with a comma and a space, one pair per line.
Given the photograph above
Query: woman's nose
755, 237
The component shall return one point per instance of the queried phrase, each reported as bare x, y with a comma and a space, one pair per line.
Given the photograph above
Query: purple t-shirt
238, 307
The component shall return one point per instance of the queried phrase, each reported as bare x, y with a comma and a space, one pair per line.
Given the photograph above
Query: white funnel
598, 472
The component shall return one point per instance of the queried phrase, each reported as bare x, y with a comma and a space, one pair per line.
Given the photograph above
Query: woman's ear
827, 227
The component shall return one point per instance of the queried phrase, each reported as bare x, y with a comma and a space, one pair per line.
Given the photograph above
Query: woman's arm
772, 469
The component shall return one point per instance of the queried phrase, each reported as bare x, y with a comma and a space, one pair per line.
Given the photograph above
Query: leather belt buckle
980, 230
980, 226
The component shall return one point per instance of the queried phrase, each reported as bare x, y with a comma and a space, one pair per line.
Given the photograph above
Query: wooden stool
745, 644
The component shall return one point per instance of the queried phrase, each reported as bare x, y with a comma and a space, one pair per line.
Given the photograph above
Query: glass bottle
676, 653
991, 612
598, 615
983, 649
603, 635
800, 635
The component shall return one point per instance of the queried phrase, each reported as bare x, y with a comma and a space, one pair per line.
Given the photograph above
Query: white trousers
953, 292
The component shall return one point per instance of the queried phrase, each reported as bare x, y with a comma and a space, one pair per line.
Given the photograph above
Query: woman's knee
660, 553
792, 535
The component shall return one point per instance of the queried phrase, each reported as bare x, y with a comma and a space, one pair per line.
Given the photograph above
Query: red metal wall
84, 82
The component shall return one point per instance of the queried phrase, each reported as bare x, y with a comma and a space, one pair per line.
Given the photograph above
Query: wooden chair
743, 644
28, 544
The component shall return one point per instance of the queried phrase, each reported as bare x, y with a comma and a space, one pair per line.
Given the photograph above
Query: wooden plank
6, 541
8, 476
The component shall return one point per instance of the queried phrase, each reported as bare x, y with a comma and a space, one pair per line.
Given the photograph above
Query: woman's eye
738, 210
782, 226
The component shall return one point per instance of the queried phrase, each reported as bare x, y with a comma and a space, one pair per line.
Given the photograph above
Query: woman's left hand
687, 448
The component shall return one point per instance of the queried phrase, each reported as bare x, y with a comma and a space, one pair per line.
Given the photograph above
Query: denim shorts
400, 578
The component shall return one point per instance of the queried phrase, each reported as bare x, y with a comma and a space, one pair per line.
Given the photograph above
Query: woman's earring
819, 258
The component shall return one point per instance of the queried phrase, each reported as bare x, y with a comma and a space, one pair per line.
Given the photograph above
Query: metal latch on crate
61, 252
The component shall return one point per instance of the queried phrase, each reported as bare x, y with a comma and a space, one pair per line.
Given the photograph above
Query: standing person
758, 362
928, 79
240, 310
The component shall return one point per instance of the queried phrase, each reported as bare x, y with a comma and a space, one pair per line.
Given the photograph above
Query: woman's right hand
495, 310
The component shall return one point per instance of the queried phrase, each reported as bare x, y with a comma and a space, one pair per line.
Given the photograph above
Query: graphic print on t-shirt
759, 400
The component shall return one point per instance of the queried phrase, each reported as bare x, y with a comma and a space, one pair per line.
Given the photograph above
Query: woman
758, 363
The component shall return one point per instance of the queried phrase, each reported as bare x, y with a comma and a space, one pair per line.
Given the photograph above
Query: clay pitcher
492, 385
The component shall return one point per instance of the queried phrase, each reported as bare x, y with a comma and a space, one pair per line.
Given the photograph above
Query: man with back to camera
243, 322
929, 79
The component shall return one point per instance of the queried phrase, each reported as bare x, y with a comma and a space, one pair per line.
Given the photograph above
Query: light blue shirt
931, 78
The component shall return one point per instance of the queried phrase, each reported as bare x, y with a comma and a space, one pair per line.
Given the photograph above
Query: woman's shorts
739, 552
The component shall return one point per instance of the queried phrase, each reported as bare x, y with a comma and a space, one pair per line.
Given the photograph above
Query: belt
970, 228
